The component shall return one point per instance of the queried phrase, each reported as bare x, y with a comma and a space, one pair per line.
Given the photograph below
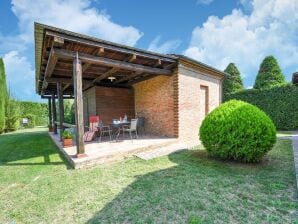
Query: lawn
37, 186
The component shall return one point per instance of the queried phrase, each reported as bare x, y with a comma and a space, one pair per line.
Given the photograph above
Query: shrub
280, 103
239, 131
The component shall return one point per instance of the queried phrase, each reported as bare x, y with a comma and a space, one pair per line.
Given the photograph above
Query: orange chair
90, 135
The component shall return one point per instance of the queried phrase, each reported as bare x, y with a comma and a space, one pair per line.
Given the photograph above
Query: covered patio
99, 76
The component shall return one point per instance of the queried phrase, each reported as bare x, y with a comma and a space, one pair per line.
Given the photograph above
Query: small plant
239, 131
67, 134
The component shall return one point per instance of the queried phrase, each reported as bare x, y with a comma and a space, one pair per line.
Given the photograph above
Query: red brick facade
173, 106
154, 100
110, 103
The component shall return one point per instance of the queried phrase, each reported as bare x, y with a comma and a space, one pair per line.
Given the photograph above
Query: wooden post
78, 94
54, 113
50, 112
61, 108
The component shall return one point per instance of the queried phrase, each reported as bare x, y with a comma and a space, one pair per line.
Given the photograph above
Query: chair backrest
93, 123
141, 121
133, 124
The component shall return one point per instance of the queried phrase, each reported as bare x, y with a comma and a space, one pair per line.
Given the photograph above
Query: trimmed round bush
239, 131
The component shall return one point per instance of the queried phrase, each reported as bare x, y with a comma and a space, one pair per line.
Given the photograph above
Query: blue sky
215, 32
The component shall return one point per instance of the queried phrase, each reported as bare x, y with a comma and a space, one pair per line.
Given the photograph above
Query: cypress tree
232, 81
269, 74
3, 95
12, 118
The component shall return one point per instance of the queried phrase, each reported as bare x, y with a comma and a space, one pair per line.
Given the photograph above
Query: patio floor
105, 151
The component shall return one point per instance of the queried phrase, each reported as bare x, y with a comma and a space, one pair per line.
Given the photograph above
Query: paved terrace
145, 147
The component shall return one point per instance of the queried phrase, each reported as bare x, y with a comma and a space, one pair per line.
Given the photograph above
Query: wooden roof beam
50, 68
128, 77
105, 75
66, 81
96, 52
111, 46
143, 78
61, 53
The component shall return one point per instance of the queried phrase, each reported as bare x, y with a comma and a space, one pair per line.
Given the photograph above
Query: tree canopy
232, 81
269, 74
3, 95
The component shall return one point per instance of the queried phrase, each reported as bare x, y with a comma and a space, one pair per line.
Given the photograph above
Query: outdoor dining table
116, 128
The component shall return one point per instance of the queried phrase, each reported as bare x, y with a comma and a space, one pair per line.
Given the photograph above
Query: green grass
37, 186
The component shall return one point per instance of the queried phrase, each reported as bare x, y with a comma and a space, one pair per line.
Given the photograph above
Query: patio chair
90, 135
141, 125
131, 128
104, 130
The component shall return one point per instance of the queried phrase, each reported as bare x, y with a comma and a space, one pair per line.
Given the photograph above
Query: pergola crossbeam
87, 58
112, 47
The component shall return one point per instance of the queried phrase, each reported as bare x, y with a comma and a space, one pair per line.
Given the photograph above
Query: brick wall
154, 99
191, 100
109, 103
114, 103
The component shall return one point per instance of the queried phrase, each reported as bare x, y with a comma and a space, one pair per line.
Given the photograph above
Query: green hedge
39, 110
280, 103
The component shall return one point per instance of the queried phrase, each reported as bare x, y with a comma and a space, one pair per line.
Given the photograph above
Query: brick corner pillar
78, 95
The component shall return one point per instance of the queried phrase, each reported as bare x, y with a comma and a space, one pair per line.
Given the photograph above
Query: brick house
173, 92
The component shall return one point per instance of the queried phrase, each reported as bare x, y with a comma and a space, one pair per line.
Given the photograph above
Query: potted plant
67, 138
51, 129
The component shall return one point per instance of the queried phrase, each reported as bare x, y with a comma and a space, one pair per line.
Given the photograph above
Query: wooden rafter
111, 47
49, 68
128, 77
87, 58
96, 52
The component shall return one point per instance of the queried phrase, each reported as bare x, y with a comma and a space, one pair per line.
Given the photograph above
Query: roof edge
194, 62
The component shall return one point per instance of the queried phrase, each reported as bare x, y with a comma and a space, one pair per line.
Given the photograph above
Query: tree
269, 74
68, 112
12, 115
3, 95
232, 81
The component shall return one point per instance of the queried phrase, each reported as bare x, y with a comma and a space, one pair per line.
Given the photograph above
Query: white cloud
74, 15
204, 2
166, 47
20, 75
271, 27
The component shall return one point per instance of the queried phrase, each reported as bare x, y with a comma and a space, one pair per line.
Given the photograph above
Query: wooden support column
50, 112
61, 108
78, 94
54, 113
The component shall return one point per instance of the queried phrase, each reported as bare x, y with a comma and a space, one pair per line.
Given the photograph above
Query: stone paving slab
167, 150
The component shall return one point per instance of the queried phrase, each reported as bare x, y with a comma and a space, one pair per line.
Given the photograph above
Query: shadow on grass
29, 148
199, 189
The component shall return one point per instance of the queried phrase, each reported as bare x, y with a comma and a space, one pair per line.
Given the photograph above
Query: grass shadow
199, 189
32, 147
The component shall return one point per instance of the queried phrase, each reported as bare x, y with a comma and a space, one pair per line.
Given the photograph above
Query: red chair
90, 135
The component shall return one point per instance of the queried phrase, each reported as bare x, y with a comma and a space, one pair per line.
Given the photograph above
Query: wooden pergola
69, 63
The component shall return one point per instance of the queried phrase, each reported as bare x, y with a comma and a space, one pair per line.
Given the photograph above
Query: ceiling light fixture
111, 78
